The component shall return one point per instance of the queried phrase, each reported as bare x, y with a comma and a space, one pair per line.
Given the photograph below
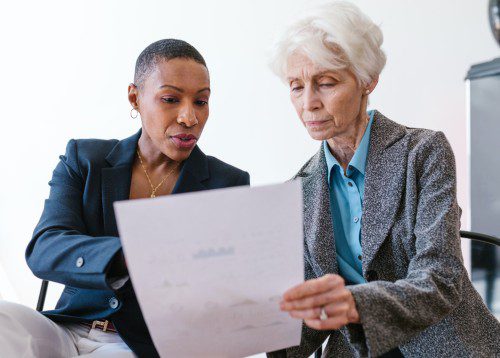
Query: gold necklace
154, 188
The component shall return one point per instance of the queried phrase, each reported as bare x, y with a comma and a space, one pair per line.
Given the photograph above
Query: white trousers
26, 333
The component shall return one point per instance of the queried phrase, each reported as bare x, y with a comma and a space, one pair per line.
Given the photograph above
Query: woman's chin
318, 135
176, 152
178, 155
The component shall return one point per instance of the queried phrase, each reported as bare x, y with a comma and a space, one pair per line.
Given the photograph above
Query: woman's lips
315, 124
184, 141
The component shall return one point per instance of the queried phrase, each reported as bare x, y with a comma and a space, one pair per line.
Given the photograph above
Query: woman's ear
371, 86
133, 96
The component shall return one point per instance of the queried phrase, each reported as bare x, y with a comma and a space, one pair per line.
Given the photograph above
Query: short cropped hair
166, 49
336, 35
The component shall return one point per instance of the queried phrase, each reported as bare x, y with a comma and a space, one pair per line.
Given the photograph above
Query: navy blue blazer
76, 240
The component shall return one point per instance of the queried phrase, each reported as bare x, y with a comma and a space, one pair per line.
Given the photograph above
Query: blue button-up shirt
346, 203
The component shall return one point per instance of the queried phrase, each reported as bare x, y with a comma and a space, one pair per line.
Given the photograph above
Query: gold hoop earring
134, 113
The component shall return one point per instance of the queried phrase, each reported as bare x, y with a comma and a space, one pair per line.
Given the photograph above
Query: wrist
352, 314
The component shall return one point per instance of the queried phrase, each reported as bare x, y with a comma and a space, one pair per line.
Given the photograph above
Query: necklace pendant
153, 195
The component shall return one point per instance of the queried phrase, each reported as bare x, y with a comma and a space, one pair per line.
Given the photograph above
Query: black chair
488, 239
41, 295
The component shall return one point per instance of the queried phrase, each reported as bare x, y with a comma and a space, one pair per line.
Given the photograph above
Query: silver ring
323, 316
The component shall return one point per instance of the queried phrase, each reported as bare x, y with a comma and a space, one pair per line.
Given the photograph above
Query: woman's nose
311, 101
187, 116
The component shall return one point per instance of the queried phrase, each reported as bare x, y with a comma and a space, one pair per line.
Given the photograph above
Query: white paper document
209, 268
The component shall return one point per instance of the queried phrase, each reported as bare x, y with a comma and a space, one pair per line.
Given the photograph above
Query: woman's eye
296, 88
169, 100
201, 103
326, 85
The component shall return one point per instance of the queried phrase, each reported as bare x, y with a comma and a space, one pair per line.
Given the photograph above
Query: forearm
73, 259
393, 313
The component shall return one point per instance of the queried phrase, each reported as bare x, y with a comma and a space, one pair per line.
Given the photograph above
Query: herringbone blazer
418, 296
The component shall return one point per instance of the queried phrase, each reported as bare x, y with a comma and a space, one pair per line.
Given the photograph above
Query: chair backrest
488, 239
41, 295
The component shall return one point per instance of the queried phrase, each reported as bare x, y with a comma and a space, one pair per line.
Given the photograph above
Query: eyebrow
181, 90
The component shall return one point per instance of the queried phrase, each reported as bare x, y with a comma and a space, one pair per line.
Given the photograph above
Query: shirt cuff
118, 282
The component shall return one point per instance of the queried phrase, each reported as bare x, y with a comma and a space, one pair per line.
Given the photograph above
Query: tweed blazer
418, 296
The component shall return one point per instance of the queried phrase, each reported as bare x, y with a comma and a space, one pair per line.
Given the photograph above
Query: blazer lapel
318, 227
115, 180
384, 184
193, 173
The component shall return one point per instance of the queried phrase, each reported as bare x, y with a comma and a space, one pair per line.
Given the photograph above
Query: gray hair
336, 35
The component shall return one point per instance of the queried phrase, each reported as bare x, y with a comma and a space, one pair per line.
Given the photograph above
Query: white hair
336, 35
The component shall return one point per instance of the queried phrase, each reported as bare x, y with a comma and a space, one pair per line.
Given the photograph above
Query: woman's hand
306, 301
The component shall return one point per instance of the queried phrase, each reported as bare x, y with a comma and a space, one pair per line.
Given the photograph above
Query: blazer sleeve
244, 179
392, 313
61, 249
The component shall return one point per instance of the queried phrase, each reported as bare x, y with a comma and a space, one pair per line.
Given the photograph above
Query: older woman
384, 270
76, 241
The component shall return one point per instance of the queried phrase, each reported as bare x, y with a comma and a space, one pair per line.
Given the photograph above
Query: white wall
65, 67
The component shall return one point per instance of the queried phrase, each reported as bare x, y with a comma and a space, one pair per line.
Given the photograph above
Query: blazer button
371, 275
113, 303
79, 262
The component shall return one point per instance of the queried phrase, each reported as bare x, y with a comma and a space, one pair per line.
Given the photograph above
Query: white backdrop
65, 67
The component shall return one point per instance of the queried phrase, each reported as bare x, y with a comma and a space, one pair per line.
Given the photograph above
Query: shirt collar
358, 161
